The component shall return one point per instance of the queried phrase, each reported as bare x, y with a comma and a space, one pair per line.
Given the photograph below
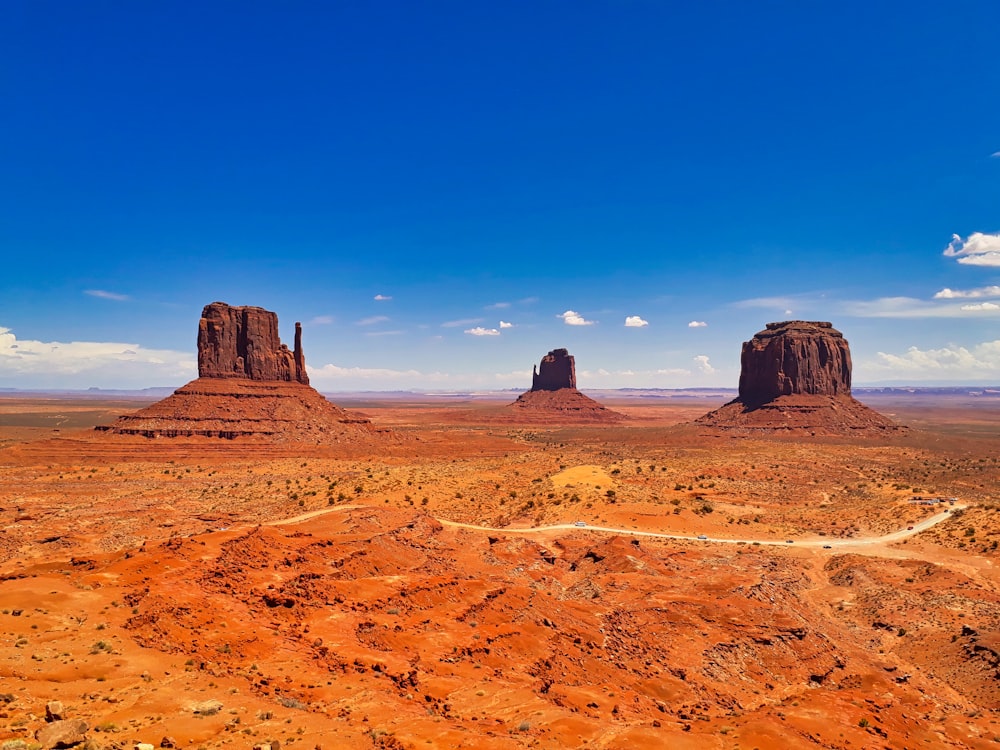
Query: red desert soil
233, 592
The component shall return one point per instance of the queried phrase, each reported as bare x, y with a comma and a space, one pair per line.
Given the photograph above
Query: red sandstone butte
796, 375
557, 370
249, 386
243, 342
554, 397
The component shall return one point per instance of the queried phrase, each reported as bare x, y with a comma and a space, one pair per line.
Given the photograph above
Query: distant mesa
796, 375
554, 398
249, 385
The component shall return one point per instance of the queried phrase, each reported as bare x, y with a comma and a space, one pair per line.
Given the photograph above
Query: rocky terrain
554, 396
249, 385
210, 593
796, 376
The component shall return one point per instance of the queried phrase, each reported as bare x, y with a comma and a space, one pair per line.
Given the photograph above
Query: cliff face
557, 370
249, 386
795, 357
796, 377
243, 342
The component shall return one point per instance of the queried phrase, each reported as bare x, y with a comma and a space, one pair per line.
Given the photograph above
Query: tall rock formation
554, 397
243, 342
556, 370
796, 375
249, 386
795, 357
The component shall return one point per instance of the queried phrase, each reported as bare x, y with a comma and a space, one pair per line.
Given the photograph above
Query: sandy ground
227, 593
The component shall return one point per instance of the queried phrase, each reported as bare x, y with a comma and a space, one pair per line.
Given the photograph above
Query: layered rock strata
796, 375
249, 385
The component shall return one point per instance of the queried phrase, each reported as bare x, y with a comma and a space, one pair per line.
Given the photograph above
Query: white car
580, 523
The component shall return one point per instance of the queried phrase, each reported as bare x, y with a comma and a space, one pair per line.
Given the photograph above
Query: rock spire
249, 386
243, 342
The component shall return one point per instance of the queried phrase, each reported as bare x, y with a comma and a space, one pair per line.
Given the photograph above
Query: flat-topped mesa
243, 342
796, 377
795, 357
556, 371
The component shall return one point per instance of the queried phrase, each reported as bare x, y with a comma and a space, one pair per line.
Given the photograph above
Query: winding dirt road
822, 542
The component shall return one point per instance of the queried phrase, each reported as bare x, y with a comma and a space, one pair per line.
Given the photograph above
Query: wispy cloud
505, 324
102, 294
779, 303
480, 331
104, 363
373, 320
460, 323
497, 306
382, 297
527, 301
384, 333
995, 154
697, 324
674, 371
949, 362
321, 320
572, 318
908, 307
982, 307
702, 363
985, 291
634, 321
977, 250
335, 371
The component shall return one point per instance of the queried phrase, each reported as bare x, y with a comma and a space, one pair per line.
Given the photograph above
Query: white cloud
697, 324
986, 291
674, 371
384, 333
498, 306
703, 364
370, 321
995, 154
515, 376
982, 307
634, 321
460, 323
908, 307
572, 318
101, 294
949, 362
334, 377
978, 250
505, 324
382, 297
330, 371
780, 303
321, 320
35, 364
480, 331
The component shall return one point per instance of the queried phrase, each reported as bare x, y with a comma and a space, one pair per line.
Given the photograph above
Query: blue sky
402, 177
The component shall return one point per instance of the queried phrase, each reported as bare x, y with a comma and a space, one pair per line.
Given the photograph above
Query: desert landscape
433, 571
